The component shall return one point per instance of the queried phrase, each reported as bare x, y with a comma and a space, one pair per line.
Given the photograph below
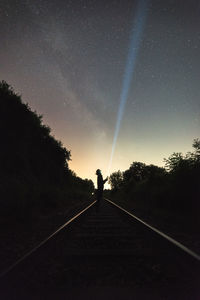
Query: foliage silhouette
34, 172
174, 188
116, 180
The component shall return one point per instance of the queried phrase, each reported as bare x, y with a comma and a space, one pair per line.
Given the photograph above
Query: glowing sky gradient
67, 59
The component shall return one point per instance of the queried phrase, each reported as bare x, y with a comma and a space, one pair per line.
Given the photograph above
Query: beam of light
135, 37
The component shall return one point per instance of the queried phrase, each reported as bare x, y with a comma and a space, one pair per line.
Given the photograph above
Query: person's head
98, 172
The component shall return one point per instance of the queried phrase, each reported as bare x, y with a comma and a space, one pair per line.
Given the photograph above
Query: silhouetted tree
116, 180
33, 164
196, 146
174, 161
175, 187
27, 146
135, 172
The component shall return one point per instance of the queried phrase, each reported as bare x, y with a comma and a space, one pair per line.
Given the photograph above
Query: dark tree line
175, 187
33, 164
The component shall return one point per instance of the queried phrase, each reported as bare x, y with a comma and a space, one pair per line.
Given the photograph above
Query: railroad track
101, 254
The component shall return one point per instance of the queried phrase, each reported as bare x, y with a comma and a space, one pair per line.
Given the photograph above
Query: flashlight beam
135, 37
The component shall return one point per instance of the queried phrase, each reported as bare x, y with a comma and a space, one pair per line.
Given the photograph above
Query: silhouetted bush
175, 187
34, 172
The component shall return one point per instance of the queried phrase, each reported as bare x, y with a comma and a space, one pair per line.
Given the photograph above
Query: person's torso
100, 182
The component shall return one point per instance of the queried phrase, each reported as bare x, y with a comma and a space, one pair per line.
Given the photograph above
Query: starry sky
67, 59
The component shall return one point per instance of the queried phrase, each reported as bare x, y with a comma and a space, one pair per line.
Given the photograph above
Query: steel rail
44, 241
173, 241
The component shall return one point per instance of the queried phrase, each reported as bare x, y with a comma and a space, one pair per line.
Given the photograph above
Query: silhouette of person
100, 185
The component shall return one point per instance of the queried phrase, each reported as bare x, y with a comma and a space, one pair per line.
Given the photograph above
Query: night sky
67, 59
